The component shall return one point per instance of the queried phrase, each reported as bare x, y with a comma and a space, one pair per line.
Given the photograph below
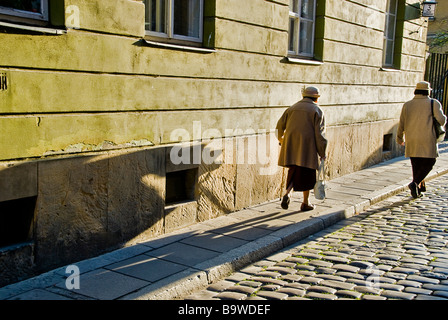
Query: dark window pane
294, 6
306, 40
308, 9
389, 52
156, 17
25, 5
187, 18
292, 34
393, 7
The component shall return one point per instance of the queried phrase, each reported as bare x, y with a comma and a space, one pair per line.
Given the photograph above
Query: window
24, 10
389, 33
302, 15
175, 19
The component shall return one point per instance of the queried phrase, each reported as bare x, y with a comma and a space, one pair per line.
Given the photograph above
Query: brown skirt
302, 179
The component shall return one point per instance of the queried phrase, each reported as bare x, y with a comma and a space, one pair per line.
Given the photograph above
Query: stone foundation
87, 205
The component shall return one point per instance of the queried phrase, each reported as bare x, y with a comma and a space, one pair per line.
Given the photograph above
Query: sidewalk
172, 266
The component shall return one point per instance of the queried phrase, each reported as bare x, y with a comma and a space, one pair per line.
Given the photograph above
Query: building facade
437, 28
122, 120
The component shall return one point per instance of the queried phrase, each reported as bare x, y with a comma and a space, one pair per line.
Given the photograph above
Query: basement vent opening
181, 186
387, 142
3, 82
16, 221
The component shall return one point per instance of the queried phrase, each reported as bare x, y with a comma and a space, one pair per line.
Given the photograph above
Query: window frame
169, 35
16, 15
390, 41
297, 16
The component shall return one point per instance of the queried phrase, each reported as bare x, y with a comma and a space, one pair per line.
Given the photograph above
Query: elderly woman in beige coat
301, 133
419, 139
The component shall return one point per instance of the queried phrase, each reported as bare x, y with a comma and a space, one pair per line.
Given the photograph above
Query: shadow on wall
74, 208
82, 207
356, 147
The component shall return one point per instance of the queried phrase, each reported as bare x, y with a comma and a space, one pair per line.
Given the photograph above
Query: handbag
319, 187
439, 130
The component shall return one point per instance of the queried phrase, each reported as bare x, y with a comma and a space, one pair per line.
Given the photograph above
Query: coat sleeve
400, 130
280, 128
438, 113
319, 134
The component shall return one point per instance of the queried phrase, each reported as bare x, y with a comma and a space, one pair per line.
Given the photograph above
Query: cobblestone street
397, 249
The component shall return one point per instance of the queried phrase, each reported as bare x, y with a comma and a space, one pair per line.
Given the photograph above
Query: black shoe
414, 190
306, 207
422, 188
285, 202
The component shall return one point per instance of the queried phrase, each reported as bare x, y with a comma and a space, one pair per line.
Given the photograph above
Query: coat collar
420, 96
307, 99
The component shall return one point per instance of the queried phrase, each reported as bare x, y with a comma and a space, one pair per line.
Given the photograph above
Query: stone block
71, 209
18, 180
216, 189
180, 215
250, 38
89, 204
259, 178
136, 187
122, 17
265, 13
16, 263
369, 37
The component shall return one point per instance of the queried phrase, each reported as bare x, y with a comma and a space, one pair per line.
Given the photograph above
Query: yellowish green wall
90, 112
88, 75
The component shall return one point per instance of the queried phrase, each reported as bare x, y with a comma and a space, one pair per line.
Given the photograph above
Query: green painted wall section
100, 82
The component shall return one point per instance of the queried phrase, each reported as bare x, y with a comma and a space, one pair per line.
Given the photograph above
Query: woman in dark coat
301, 133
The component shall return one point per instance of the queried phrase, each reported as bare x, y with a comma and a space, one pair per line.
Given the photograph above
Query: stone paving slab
174, 265
183, 254
97, 284
146, 268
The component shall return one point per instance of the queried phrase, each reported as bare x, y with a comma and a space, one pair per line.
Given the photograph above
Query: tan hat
312, 92
423, 85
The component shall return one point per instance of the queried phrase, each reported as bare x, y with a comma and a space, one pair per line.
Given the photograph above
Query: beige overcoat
301, 133
416, 127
